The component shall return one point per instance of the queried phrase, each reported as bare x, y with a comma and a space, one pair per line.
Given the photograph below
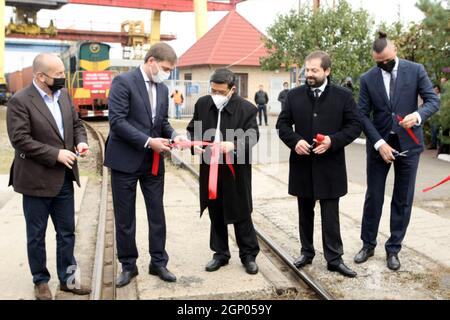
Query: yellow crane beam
2, 42
201, 17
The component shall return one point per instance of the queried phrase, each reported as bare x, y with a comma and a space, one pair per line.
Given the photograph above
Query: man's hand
409, 121
323, 146
226, 146
159, 144
180, 139
302, 148
198, 150
386, 152
67, 158
82, 149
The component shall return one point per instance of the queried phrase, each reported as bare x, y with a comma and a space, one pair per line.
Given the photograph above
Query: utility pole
316, 6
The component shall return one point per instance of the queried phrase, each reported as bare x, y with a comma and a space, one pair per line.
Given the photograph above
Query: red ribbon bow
213, 166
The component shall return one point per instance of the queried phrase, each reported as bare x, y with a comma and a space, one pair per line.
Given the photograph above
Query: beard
315, 82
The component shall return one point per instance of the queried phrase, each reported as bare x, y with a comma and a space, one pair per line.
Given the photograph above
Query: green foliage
342, 32
444, 112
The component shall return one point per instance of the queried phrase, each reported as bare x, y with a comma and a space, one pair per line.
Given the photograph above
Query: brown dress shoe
79, 290
42, 292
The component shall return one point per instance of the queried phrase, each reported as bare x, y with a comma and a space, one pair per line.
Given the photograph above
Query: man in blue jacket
392, 123
138, 116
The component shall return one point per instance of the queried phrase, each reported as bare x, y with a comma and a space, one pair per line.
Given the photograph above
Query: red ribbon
438, 184
410, 132
213, 166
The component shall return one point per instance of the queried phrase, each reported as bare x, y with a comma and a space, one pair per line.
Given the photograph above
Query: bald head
47, 63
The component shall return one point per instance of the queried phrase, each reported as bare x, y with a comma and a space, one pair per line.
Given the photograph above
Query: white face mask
161, 76
221, 101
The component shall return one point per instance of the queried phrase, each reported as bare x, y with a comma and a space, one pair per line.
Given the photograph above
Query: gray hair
224, 75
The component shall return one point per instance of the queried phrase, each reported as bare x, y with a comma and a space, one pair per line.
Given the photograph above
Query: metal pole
2, 42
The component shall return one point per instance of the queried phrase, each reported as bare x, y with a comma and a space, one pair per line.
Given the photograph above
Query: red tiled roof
232, 41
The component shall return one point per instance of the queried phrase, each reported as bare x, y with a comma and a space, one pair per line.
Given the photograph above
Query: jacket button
22, 155
315, 115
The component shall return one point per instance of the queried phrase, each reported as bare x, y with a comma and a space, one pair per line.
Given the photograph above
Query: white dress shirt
387, 81
321, 88
148, 83
53, 106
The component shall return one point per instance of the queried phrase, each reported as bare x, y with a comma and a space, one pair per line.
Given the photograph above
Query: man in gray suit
392, 123
45, 132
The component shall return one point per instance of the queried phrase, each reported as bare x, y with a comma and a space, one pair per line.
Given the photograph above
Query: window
188, 76
242, 84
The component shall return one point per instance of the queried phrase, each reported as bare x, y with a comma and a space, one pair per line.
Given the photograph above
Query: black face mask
58, 84
388, 66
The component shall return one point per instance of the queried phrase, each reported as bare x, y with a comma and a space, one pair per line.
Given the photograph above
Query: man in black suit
389, 91
232, 120
139, 128
317, 168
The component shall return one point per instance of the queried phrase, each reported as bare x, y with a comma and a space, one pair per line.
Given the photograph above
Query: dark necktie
150, 97
392, 87
316, 93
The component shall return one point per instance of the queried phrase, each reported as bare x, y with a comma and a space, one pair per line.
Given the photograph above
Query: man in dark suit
139, 128
389, 93
226, 118
283, 94
45, 132
261, 100
317, 170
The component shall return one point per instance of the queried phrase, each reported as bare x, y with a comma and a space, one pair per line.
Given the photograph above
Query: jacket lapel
142, 88
381, 88
66, 113
40, 105
401, 77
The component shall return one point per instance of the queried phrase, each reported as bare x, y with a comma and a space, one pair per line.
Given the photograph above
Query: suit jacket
130, 118
36, 139
378, 114
239, 115
334, 114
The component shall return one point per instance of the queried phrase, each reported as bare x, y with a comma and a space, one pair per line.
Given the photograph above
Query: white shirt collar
45, 94
322, 87
146, 78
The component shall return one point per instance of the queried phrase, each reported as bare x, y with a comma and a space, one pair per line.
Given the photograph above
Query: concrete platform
188, 249
15, 275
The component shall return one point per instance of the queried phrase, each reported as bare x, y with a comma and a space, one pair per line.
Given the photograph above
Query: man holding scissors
392, 123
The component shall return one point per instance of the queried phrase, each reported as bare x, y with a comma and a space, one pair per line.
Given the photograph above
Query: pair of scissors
400, 154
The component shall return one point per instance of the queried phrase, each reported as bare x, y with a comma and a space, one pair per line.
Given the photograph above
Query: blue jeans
61, 209
178, 111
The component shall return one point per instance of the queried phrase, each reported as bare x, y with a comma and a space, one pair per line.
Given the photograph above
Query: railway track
269, 245
104, 271
103, 282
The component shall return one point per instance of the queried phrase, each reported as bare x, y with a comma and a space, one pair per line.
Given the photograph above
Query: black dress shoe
363, 255
342, 269
125, 277
393, 262
215, 265
251, 267
302, 261
162, 273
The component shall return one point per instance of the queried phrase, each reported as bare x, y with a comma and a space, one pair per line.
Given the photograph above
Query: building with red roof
236, 44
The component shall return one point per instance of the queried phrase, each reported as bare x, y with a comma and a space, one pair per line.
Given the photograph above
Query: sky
261, 13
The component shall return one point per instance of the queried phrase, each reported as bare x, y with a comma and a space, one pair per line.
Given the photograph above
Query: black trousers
262, 108
61, 209
402, 197
243, 230
124, 199
331, 235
